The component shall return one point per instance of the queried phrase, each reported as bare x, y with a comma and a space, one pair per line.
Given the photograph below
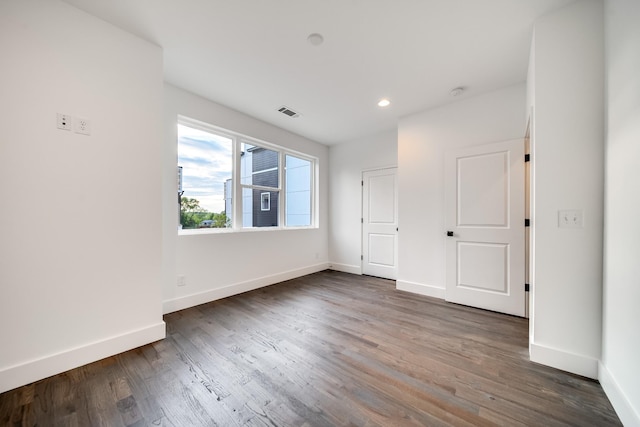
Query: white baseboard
420, 288
346, 268
37, 369
559, 359
180, 303
623, 407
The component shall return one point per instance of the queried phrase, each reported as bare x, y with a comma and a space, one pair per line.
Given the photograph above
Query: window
259, 171
205, 165
272, 186
298, 191
265, 201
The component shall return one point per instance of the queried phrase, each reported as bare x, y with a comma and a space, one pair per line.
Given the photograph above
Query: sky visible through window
206, 161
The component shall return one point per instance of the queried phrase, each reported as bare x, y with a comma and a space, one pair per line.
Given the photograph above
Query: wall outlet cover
82, 126
570, 218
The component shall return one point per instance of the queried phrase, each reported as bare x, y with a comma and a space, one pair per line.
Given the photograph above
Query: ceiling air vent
288, 111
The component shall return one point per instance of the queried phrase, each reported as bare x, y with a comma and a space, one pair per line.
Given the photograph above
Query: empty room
319, 213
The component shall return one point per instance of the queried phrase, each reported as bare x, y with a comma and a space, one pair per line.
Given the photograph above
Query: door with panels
485, 246
380, 223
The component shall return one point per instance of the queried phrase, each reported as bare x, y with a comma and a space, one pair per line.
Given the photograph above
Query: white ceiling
253, 55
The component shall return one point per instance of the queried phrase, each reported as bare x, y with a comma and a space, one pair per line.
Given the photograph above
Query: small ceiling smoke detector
457, 91
384, 102
288, 112
315, 39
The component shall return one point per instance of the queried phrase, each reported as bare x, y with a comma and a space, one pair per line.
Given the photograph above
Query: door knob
449, 233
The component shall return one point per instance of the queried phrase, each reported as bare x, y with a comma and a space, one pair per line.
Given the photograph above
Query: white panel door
485, 249
380, 223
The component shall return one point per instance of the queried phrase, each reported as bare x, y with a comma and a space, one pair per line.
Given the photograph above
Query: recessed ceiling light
384, 102
315, 39
456, 91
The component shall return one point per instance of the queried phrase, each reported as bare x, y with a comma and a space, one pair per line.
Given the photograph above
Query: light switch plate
570, 218
64, 121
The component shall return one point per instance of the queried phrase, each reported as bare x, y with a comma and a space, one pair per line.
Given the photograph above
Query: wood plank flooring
328, 349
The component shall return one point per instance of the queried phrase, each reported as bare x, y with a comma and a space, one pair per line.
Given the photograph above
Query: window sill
205, 231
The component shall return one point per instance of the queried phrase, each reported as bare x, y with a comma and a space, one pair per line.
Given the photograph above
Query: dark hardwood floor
329, 349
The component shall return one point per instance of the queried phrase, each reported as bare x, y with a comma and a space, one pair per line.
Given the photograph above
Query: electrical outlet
64, 121
182, 280
82, 126
570, 218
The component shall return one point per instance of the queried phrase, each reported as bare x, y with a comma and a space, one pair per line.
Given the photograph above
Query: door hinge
526, 287
362, 183
527, 222
527, 158
361, 257
361, 220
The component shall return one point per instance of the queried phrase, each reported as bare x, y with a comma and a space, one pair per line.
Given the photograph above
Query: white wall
80, 218
567, 169
619, 372
423, 139
219, 264
347, 161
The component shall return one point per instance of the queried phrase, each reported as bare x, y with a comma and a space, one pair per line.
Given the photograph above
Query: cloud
207, 162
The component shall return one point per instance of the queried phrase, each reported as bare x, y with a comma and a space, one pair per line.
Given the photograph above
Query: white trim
346, 268
575, 363
187, 301
265, 170
421, 288
380, 168
206, 231
623, 407
37, 369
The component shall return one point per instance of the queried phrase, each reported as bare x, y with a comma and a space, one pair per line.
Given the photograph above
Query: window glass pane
207, 163
298, 191
265, 201
258, 166
253, 202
